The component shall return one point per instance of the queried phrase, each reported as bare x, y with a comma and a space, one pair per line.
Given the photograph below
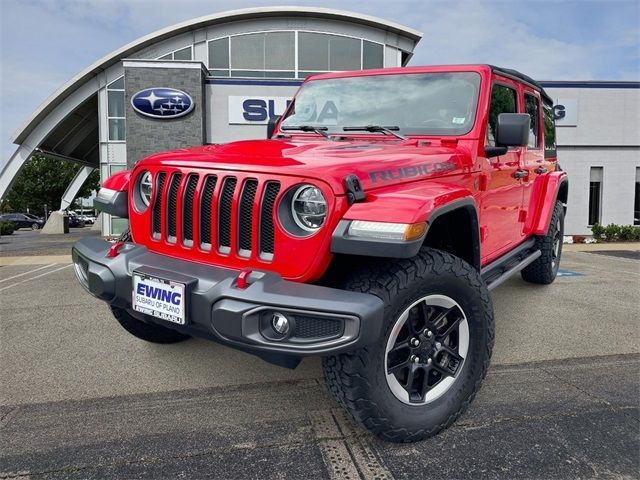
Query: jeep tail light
388, 231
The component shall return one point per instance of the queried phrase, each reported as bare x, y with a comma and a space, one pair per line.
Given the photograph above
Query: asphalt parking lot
82, 399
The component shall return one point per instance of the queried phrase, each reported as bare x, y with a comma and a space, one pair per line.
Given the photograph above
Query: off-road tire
148, 332
544, 269
357, 380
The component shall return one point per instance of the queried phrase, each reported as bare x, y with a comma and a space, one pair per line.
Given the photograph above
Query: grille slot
172, 207
206, 206
245, 229
187, 203
224, 216
267, 232
187, 212
157, 206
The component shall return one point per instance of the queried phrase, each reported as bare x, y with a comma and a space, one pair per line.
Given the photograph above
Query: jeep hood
377, 163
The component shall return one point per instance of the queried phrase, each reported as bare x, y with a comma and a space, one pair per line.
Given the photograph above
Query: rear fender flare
544, 195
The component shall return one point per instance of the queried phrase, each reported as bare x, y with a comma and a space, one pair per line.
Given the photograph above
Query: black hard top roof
516, 75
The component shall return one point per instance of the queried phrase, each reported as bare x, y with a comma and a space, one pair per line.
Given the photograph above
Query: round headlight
309, 208
146, 187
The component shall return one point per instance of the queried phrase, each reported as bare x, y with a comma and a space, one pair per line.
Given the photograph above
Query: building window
115, 110
269, 54
595, 195
185, 53
531, 107
319, 52
503, 100
372, 55
273, 54
219, 57
636, 200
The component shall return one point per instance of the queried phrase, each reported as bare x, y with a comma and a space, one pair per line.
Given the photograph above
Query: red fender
543, 198
118, 181
408, 205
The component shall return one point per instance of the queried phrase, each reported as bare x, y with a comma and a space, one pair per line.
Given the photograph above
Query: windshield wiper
308, 128
391, 130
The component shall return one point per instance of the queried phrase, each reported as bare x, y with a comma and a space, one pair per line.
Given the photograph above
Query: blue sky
46, 42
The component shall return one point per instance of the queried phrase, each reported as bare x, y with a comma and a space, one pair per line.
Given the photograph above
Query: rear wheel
433, 353
545, 268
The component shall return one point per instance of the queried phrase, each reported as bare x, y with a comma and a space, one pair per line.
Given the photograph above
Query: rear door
533, 161
502, 199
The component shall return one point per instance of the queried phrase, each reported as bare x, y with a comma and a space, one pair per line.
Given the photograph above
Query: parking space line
33, 278
334, 451
363, 454
27, 273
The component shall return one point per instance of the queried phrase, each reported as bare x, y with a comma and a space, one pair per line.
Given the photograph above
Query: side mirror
513, 129
271, 126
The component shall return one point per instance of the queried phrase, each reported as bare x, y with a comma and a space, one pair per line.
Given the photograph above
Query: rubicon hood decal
162, 102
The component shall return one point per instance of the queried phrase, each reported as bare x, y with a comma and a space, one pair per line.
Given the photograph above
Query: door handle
540, 170
520, 174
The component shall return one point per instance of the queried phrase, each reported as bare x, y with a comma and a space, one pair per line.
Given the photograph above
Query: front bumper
323, 320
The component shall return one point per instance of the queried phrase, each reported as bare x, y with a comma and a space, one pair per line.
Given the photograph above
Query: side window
531, 106
503, 100
549, 131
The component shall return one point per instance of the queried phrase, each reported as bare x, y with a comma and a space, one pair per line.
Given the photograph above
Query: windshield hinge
354, 189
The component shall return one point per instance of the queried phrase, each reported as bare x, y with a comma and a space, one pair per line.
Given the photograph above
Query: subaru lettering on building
162, 102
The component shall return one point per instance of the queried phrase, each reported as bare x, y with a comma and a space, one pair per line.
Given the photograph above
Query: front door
502, 198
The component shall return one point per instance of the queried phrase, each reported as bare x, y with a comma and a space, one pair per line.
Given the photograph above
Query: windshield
417, 103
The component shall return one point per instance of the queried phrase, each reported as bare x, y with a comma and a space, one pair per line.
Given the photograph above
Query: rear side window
549, 131
503, 100
531, 106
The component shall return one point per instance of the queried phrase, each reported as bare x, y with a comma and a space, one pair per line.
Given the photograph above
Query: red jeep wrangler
368, 229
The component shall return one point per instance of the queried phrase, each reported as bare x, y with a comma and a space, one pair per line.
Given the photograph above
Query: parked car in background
23, 220
75, 221
88, 219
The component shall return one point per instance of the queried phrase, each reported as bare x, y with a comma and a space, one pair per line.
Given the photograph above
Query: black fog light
280, 323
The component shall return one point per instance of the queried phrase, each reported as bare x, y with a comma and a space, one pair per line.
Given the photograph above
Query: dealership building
240, 68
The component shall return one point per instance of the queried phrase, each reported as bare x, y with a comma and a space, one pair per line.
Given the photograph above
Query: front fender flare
415, 204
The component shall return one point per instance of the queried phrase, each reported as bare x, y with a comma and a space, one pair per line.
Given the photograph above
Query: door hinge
522, 216
354, 189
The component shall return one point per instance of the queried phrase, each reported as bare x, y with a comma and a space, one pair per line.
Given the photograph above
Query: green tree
43, 180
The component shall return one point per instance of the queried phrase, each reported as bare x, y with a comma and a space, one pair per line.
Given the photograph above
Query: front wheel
35, 226
433, 353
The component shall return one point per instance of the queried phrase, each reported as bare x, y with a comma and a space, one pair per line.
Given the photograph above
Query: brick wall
146, 135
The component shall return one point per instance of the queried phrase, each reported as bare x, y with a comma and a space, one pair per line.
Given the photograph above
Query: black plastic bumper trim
118, 205
216, 309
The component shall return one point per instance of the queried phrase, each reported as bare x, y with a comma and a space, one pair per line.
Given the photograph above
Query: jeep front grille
218, 211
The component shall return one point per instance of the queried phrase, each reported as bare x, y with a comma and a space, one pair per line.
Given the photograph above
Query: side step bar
498, 271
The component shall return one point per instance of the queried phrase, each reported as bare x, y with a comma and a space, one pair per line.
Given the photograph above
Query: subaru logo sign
162, 102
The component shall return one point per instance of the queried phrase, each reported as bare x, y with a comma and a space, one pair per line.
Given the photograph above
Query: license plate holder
159, 297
